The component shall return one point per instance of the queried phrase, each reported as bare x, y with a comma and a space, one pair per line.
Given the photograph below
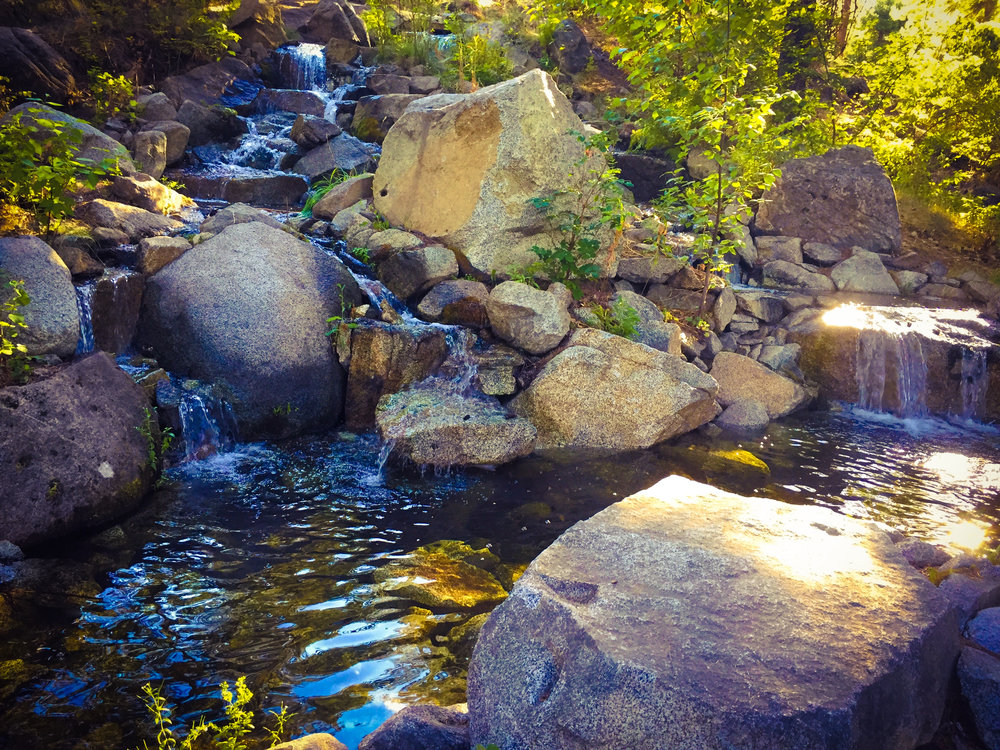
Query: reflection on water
261, 561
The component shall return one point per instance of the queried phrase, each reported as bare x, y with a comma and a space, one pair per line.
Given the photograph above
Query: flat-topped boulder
689, 617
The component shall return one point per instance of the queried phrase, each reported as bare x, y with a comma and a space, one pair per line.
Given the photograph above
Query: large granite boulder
842, 198
421, 727
31, 64
689, 617
606, 392
247, 310
207, 124
863, 272
74, 451
136, 223
206, 83
462, 168
52, 317
743, 379
528, 318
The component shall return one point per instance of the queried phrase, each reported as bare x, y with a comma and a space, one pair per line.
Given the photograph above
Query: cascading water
302, 66
975, 379
84, 306
881, 352
208, 425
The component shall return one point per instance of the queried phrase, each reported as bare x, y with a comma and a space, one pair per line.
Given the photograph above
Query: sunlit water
260, 562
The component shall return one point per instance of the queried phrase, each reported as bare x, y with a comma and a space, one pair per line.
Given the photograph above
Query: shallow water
260, 562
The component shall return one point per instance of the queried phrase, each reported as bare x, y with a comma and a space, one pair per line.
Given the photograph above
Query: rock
863, 272
745, 247
456, 302
10, 552
604, 391
115, 309
651, 329
156, 252
980, 291
979, 676
649, 270
329, 20
136, 223
723, 309
421, 728
462, 168
435, 579
340, 52
387, 83
664, 622
237, 213
908, 282
206, 83
495, 368
414, 271
145, 192
570, 49
778, 357
344, 152
762, 306
93, 146
388, 242
778, 248
51, 316
669, 298
155, 107
385, 359
433, 425
780, 274
462, 638
746, 416
821, 254
31, 64
647, 173
742, 379
74, 250
343, 196
527, 318
73, 454
842, 198
272, 190
921, 554
204, 313
208, 124
424, 85
375, 115
149, 151
321, 741
106, 237
968, 594
984, 629
942, 291
290, 100
177, 135
309, 131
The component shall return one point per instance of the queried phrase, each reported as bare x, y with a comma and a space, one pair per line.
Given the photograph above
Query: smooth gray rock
741, 379
237, 213
778, 248
822, 254
414, 271
780, 274
687, 617
979, 676
984, 629
863, 272
744, 416
343, 152
527, 318
135, 222
457, 299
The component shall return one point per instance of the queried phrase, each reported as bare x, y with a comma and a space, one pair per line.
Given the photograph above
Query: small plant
324, 186
113, 96
155, 450
620, 319
698, 322
380, 223
523, 277
284, 410
14, 362
362, 254
172, 184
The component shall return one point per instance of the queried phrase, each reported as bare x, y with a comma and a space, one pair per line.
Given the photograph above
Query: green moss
367, 129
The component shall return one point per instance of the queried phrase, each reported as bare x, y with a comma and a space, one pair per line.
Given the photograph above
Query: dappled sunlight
547, 88
964, 327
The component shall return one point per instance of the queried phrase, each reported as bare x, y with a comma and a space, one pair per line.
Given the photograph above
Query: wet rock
742, 379
237, 213
272, 190
527, 318
320, 741
73, 451
135, 222
31, 64
422, 727
778, 248
51, 316
177, 135
607, 392
822, 254
457, 302
309, 131
115, 310
462, 638
745, 416
149, 151
780, 274
155, 107
75, 252
375, 115
156, 252
842, 198
921, 554
979, 676
145, 192
863, 272
411, 272
433, 425
434, 579
208, 124
343, 196
203, 315
206, 83
289, 100
344, 152
663, 622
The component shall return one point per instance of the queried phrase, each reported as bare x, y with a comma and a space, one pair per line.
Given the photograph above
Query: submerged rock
688, 617
435, 579
422, 727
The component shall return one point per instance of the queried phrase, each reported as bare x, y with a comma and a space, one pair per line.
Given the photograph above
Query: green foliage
14, 363
362, 254
321, 187
39, 167
113, 96
580, 214
620, 319
155, 449
401, 29
473, 58
380, 223
234, 734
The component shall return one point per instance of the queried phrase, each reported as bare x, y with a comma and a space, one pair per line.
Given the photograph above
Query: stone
527, 318
135, 222
778, 248
345, 152
781, 274
842, 198
75, 253
495, 368
908, 282
921, 554
93, 146
569, 48
461, 168
942, 291
309, 131
149, 151
411, 272
723, 309
73, 454
204, 315
154, 107
742, 379
237, 213
762, 306
387, 83
669, 298
51, 316
822, 254
321, 741
388, 242
421, 728
651, 330
177, 135
981, 291
272, 190
31, 64
344, 195
10, 552
984, 629
689, 617
745, 247
340, 52
208, 124
747, 416
456, 302
115, 309
435, 579
145, 192
289, 100
863, 272
106, 237
606, 392
156, 252
970, 594
645, 171
778, 357
649, 270
434, 425
424, 85
979, 676
375, 115
329, 20
206, 83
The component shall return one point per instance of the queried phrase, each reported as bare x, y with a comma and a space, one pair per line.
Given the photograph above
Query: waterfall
254, 151
882, 353
208, 425
84, 306
975, 378
303, 66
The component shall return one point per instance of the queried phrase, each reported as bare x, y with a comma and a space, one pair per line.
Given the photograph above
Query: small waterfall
303, 66
975, 379
84, 306
208, 425
254, 151
880, 353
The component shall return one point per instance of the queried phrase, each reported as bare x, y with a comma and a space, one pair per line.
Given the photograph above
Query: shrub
14, 363
474, 58
113, 96
620, 319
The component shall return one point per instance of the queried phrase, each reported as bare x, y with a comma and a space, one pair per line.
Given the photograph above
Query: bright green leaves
13, 355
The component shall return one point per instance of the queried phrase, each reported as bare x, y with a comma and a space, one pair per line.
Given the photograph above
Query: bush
475, 58
13, 356
113, 96
620, 319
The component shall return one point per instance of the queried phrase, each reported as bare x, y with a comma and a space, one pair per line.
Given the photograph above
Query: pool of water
260, 562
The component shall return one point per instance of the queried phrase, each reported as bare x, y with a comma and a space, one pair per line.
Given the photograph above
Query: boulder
689, 617
289, 100
145, 192
609, 393
374, 115
342, 196
779, 356
984, 629
177, 135
651, 330
842, 198
51, 316
149, 151
31, 64
527, 318
456, 302
344, 152
433, 424
206, 83
204, 313
921, 554
135, 222
155, 107
156, 252
649, 270
765, 307
309, 131
979, 676
496, 366
75, 253
670, 298
414, 271
207, 124
424, 85
570, 49
330, 20
778, 248
462, 168
319, 741
272, 190
743, 379
747, 416
114, 308
723, 309
908, 282
93, 146
863, 272
822, 254
388, 83
340, 52
421, 728
74, 451
782, 274
237, 213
